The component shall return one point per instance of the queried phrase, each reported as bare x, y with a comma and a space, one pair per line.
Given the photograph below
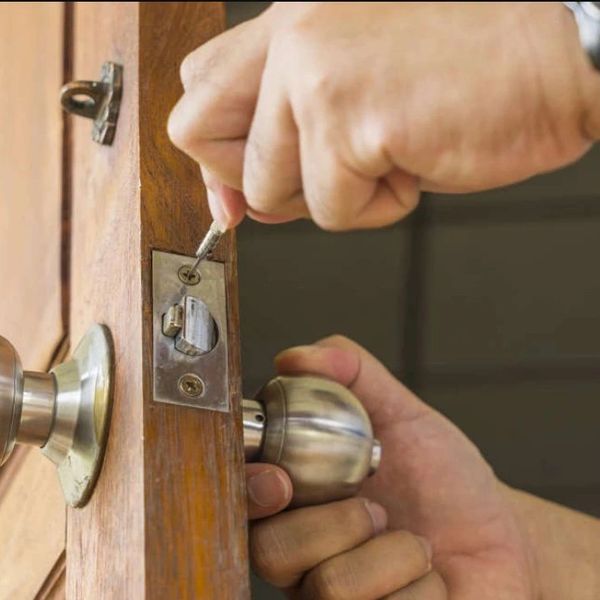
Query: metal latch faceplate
199, 381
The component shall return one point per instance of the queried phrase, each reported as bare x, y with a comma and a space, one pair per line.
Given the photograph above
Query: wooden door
32, 298
78, 224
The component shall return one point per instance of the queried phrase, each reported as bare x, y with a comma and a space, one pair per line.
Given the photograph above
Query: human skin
488, 541
345, 113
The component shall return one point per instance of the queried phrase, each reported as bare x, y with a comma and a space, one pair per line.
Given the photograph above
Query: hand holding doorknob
317, 431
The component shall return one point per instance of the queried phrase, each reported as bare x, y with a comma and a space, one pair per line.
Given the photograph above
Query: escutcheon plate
78, 439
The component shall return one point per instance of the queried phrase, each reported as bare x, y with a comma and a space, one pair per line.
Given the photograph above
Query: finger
272, 178
430, 587
341, 200
269, 490
227, 205
334, 194
376, 568
338, 358
283, 547
221, 78
273, 219
341, 195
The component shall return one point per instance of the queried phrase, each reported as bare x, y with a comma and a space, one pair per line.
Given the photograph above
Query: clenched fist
345, 112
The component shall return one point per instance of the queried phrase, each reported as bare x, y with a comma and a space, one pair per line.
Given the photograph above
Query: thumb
385, 399
269, 490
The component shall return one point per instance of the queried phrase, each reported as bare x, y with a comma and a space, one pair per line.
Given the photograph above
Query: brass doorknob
317, 431
64, 412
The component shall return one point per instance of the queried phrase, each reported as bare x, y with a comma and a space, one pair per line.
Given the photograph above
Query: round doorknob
64, 412
26, 403
11, 395
317, 431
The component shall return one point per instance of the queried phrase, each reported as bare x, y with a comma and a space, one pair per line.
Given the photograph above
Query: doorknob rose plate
82, 415
66, 412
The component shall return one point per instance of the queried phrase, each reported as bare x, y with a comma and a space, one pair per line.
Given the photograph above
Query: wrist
564, 547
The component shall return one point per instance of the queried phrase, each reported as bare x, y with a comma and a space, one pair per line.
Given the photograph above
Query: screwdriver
208, 243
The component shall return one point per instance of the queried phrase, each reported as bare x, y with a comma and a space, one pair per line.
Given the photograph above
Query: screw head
188, 277
191, 385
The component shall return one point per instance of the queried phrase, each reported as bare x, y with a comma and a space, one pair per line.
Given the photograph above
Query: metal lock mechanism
65, 412
189, 333
317, 431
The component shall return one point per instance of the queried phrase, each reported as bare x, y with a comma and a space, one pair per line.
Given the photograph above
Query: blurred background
487, 305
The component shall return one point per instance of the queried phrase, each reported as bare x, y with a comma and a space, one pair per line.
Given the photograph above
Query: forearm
565, 547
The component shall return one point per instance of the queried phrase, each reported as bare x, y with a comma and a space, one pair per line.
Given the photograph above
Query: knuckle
333, 580
330, 220
338, 339
356, 516
438, 587
322, 86
349, 521
298, 42
198, 65
414, 555
187, 69
183, 130
177, 128
254, 185
328, 209
187, 123
269, 551
326, 212
296, 29
317, 96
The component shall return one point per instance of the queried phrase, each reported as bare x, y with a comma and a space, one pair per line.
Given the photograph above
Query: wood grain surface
31, 41
55, 586
167, 519
197, 456
32, 511
105, 539
32, 523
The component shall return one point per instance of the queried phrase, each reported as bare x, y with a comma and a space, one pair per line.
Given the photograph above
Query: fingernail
217, 209
378, 516
268, 489
427, 547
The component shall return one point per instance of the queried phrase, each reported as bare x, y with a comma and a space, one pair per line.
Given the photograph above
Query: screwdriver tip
211, 239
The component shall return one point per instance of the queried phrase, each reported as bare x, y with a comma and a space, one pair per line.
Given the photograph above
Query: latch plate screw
187, 276
191, 385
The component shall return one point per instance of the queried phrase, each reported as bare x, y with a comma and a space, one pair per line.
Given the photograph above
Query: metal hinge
190, 354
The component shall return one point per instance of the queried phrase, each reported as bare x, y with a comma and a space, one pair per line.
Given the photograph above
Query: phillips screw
211, 239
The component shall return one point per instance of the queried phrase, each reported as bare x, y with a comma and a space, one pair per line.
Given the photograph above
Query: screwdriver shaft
210, 240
